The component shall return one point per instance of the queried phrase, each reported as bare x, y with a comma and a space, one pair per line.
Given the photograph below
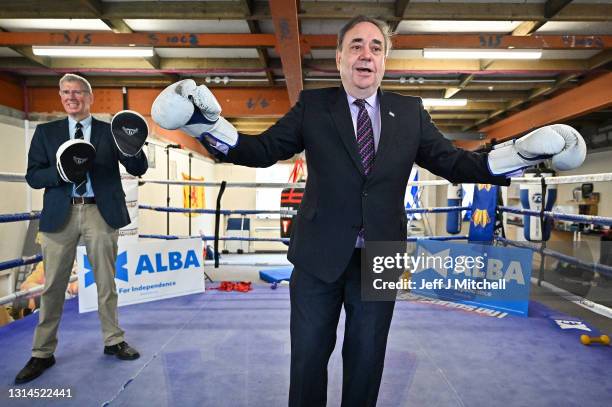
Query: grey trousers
59, 251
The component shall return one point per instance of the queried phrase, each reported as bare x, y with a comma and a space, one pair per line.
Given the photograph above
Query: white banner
147, 271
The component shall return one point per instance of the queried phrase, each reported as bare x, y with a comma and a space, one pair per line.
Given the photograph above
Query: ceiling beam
554, 7
458, 116
478, 96
161, 39
400, 9
327, 41
117, 25
220, 66
284, 16
26, 52
262, 52
453, 11
207, 66
593, 63
588, 97
551, 8
527, 28
233, 10
465, 80
260, 103
410, 66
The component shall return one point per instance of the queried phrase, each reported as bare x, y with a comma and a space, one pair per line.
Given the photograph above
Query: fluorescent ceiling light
444, 102
442, 53
93, 52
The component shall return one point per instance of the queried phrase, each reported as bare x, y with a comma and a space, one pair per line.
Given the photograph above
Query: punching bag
454, 196
531, 198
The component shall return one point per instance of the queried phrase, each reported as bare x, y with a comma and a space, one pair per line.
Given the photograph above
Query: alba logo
121, 272
171, 261
79, 160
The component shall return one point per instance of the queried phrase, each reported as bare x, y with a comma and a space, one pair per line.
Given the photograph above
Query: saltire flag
412, 194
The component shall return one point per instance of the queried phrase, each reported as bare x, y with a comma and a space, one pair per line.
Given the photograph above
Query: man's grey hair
382, 26
70, 77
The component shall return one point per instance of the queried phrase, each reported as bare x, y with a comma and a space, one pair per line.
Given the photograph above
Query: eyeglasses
73, 92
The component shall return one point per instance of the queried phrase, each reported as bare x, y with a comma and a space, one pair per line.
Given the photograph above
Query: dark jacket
339, 199
105, 177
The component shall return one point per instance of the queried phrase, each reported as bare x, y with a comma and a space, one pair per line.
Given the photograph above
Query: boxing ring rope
12, 177
22, 261
214, 212
576, 299
266, 184
285, 240
544, 181
18, 217
565, 179
553, 180
34, 291
601, 268
598, 220
439, 209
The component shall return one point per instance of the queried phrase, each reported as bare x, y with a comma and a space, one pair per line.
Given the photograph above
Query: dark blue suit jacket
105, 177
339, 198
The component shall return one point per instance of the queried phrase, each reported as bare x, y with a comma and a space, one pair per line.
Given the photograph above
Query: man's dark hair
382, 26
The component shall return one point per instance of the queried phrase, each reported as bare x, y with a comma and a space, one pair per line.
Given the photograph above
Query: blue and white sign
147, 271
477, 274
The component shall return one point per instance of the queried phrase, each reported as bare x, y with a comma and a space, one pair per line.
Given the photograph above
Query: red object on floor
240, 286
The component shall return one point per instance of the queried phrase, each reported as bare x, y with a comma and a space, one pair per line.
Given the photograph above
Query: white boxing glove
559, 142
195, 110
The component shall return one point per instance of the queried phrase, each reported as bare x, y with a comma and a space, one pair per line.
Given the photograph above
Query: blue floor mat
233, 349
276, 275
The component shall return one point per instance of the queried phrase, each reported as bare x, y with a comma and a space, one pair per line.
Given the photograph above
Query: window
269, 198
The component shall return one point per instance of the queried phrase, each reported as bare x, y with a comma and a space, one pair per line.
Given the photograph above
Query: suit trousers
315, 312
59, 250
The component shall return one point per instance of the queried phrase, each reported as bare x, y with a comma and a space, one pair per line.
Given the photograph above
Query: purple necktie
365, 136
365, 143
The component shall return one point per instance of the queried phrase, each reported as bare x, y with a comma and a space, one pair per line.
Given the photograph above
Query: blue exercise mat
276, 275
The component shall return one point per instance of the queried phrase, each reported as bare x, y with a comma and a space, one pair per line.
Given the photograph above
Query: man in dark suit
92, 212
360, 145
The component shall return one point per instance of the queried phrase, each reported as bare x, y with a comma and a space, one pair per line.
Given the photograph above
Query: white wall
13, 197
595, 163
153, 222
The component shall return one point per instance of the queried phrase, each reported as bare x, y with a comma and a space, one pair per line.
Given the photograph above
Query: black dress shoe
123, 351
34, 368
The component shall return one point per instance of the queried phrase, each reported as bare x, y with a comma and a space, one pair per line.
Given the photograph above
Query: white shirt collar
370, 100
86, 122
